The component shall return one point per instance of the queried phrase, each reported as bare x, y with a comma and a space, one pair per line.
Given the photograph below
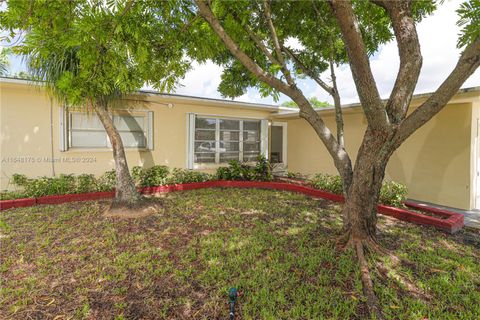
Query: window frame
66, 130
191, 135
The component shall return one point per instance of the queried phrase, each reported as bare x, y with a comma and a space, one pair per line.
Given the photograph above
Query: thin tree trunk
341, 160
125, 193
337, 103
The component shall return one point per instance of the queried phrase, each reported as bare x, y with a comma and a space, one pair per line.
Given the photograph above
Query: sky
438, 35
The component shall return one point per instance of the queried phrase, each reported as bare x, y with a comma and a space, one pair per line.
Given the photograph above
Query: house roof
353, 106
170, 96
214, 101
279, 111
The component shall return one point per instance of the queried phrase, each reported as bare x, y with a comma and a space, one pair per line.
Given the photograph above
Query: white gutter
284, 114
172, 97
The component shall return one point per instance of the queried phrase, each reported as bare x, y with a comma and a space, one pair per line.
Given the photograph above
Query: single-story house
440, 163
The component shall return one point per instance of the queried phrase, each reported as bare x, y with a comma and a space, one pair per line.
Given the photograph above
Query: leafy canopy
90, 50
307, 29
469, 13
4, 62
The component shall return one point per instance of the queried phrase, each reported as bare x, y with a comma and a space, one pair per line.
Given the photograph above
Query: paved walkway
472, 217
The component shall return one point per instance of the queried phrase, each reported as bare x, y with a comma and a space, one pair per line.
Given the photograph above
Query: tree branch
235, 50
307, 71
340, 157
257, 41
333, 91
276, 43
410, 58
467, 64
337, 104
360, 65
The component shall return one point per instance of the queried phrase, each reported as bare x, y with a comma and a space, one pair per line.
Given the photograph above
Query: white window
85, 130
219, 140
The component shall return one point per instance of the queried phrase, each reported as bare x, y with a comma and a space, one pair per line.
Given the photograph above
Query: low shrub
327, 182
137, 174
161, 175
154, 176
392, 193
294, 175
45, 186
236, 170
263, 169
20, 180
107, 181
187, 176
86, 183
63, 184
10, 195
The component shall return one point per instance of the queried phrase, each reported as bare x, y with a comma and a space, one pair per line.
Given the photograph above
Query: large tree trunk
125, 193
360, 209
360, 220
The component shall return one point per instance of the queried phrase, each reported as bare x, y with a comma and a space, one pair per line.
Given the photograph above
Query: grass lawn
278, 248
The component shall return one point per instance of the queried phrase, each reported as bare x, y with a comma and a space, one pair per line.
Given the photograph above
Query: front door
278, 146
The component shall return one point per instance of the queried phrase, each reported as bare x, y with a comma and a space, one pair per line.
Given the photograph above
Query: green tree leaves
4, 62
85, 50
313, 101
469, 21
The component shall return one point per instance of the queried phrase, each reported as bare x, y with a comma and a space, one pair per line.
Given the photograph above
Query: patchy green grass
278, 248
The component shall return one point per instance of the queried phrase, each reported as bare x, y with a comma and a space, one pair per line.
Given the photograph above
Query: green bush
20, 180
294, 175
262, 171
137, 174
86, 183
154, 176
187, 176
327, 182
46, 186
10, 195
223, 173
161, 175
235, 171
391, 194
107, 181
67, 184
63, 184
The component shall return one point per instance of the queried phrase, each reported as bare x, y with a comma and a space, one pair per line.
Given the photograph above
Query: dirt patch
145, 208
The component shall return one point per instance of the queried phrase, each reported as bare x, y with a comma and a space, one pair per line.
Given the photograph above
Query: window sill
206, 166
79, 150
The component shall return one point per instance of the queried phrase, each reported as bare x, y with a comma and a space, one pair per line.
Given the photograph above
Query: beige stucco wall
437, 163
26, 133
434, 162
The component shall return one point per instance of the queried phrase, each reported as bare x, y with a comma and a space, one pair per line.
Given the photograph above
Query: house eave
150, 95
463, 95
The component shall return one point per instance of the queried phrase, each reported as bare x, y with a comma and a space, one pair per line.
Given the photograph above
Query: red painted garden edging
449, 221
